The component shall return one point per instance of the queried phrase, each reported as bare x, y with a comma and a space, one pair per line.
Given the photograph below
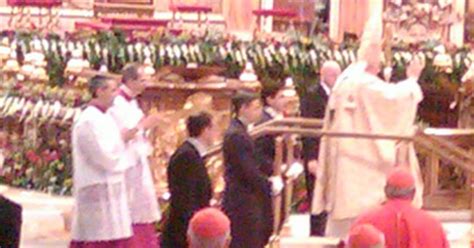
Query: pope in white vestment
352, 171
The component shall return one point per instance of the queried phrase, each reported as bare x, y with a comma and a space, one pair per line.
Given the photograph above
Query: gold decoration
171, 132
418, 22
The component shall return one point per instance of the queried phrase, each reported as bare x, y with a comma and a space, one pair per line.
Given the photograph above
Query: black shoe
318, 224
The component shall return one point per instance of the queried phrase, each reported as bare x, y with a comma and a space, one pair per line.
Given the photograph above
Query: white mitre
372, 35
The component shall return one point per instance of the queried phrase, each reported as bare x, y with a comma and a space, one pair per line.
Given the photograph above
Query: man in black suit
10, 223
274, 104
313, 105
188, 180
247, 189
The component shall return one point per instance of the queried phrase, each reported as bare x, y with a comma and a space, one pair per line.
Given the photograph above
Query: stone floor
45, 219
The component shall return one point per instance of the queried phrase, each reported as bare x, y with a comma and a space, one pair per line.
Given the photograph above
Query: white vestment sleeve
103, 152
408, 88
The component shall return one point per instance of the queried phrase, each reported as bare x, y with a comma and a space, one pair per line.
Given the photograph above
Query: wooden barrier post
277, 200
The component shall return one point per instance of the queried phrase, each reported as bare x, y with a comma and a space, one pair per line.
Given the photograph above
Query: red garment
365, 235
405, 226
122, 243
144, 236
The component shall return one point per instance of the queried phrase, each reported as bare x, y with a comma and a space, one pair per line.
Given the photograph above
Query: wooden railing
454, 146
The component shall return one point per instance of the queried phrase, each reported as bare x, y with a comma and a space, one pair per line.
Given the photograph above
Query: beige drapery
350, 16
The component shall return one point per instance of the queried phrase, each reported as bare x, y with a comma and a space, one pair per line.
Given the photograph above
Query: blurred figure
209, 228
10, 223
313, 105
188, 181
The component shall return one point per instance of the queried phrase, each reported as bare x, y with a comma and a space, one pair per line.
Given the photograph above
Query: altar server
101, 215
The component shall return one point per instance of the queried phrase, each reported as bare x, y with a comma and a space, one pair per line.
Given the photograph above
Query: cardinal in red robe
403, 225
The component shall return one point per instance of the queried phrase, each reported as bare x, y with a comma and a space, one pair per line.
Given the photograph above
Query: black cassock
10, 223
247, 190
190, 188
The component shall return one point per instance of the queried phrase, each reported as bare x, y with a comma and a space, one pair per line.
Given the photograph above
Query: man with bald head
313, 105
361, 102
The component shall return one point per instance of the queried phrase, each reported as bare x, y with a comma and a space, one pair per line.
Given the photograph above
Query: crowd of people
346, 178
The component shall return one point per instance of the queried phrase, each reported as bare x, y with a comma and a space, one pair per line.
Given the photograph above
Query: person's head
135, 78
201, 126
103, 90
370, 53
330, 70
400, 185
273, 96
366, 236
209, 228
247, 105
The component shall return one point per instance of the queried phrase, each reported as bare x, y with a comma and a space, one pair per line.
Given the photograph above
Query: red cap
401, 178
209, 223
365, 236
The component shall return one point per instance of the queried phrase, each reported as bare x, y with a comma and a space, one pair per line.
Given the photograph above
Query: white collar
272, 112
248, 126
325, 88
200, 147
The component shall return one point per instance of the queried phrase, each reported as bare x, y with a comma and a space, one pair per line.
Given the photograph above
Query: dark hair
271, 89
97, 82
130, 72
197, 123
242, 98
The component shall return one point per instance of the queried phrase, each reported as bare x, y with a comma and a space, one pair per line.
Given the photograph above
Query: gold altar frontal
177, 101
165, 96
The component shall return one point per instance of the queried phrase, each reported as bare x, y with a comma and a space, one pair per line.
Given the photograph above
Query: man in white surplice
101, 214
351, 173
141, 189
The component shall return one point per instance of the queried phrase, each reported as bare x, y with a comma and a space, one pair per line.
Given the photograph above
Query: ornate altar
176, 98
20, 16
304, 14
419, 21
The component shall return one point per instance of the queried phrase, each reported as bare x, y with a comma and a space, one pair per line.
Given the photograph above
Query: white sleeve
101, 151
116, 114
408, 88
121, 115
